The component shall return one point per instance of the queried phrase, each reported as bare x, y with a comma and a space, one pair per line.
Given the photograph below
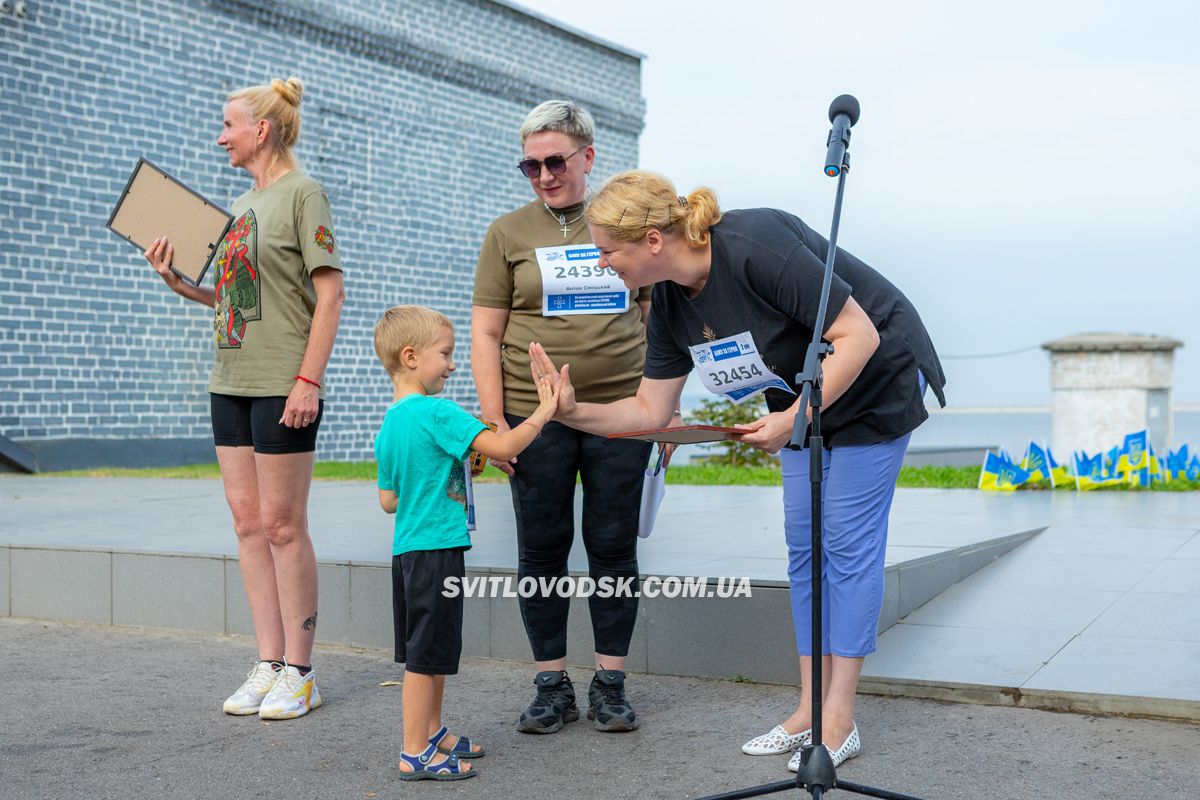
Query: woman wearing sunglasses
538, 280
736, 297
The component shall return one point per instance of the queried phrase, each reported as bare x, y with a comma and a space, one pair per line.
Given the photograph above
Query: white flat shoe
849, 749
776, 741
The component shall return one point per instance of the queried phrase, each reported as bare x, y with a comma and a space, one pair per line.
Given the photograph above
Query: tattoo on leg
310, 623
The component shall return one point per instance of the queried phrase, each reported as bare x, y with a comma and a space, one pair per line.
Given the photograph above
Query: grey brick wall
409, 120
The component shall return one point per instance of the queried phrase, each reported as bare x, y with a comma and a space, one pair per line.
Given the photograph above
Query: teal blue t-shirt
419, 450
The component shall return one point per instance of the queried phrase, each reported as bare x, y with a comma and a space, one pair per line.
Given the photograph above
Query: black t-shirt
765, 278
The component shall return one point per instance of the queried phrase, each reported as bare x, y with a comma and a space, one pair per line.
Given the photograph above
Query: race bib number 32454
732, 367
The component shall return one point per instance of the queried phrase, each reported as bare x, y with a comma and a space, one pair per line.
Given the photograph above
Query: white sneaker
292, 695
249, 696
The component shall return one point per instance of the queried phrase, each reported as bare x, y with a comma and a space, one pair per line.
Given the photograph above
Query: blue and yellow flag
1177, 463
1113, 464
1135, 452
1135, 459
999, 475
1089, 472
1060, 474
1037, 463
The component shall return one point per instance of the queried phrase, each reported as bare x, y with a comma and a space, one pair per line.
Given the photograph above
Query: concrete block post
1107, 385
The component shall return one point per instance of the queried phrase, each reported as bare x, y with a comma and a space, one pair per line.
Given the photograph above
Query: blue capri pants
859, 483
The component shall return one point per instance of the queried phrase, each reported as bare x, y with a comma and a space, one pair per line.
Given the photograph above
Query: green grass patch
681, 475
322, 471
938, 478
188, 471
723, 475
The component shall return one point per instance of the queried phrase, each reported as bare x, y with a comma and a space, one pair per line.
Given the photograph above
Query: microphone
843, 113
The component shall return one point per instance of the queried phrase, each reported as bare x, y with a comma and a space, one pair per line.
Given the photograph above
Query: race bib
573, 282
731, 367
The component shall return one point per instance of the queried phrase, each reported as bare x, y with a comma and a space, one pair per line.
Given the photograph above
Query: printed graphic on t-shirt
238, 295
323, 236
456, 484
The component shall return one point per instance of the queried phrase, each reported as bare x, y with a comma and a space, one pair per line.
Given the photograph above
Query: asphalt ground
98, 712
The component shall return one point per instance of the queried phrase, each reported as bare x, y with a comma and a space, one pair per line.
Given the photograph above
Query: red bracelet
306, 380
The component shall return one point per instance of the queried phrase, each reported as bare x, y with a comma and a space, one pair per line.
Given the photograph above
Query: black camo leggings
543, 492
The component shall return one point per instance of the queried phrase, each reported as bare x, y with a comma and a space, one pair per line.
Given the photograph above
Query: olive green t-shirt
605, 351
265, 296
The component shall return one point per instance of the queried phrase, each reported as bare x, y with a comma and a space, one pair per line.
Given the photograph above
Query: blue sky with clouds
1023, 171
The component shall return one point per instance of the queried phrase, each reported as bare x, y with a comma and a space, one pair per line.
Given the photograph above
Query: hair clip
623, 210
682, 201
646, 224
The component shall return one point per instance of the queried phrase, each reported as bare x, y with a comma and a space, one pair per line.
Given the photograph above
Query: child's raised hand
548, 394
541, 367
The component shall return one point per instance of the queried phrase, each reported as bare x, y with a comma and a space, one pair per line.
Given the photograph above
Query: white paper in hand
654, 488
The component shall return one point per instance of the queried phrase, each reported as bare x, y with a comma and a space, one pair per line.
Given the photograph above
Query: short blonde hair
279, 104
634, 202
407, 326
562, 116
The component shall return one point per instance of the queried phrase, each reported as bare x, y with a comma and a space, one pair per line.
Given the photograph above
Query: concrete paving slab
70, 585
1190, 549
333, 621
1124, 541
157, 591
237, 611
993, 606
1080, 570
1176, 576
1103, 593
372, 624
727, 631
1124, 665
961, 655
1150, 615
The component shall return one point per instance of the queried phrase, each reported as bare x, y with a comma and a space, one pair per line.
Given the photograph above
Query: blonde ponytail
632, 203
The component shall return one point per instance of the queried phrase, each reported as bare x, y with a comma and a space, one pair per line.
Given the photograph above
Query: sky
1023, 171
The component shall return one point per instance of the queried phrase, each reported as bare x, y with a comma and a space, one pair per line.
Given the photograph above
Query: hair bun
291, 90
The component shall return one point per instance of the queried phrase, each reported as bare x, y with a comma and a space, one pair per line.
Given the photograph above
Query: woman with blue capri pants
735, 296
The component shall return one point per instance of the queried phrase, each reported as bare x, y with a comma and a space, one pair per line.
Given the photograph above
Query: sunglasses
532, 168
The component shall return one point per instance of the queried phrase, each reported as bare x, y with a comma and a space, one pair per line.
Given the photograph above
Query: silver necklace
562, 218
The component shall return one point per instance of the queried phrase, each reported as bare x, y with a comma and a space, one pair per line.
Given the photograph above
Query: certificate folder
683, 434
156, 204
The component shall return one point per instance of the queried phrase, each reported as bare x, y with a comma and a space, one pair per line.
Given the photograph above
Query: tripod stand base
816, 768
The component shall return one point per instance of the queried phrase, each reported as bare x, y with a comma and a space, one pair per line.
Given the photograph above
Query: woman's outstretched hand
769, 433
540, 366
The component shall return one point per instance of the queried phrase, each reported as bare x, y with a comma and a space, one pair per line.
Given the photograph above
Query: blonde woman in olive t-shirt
277, 296
528, 273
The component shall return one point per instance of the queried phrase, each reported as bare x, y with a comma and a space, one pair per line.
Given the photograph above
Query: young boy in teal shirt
420, 450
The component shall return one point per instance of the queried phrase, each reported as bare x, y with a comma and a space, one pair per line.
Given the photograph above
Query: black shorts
428, 624
246, 421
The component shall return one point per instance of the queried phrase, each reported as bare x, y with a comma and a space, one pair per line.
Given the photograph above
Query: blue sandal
448, 770
462, 748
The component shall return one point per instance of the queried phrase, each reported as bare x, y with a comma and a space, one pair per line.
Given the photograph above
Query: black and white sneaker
610, 711
553, 706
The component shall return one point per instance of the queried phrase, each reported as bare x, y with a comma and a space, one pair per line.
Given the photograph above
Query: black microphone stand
817, 773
